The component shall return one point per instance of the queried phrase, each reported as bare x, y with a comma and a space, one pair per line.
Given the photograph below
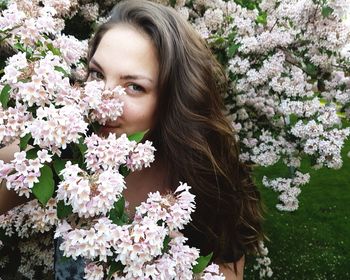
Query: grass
314, 241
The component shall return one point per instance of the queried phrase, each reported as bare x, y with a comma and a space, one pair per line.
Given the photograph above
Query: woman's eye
135, 88
95, 75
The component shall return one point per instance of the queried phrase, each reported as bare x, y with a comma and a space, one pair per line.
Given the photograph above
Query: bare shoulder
228, 270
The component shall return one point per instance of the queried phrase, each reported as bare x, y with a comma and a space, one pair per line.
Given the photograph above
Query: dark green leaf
117, 212
20, 47
232, 50
166, 244
172, 3
124, 170
311, 70
63, 210
115, 266
119, 206
44, 189
32, 153
82, 146
95, 127
60, 69
23, 142
326, 11
138, 136
54, 50
58, 165
5, 96
202, 263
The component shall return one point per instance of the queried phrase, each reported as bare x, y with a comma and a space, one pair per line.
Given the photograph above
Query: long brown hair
192, 134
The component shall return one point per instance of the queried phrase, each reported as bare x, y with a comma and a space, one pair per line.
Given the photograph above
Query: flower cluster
139, 247
263, 262
289, 189
104, 103
12, 123
53, 128
174, 213
30, 218
22, 173
90, 195
36, 253
103, 153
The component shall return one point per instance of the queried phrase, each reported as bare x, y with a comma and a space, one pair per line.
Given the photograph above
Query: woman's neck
140, 183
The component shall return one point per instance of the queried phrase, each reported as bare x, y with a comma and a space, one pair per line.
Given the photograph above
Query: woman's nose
111, 84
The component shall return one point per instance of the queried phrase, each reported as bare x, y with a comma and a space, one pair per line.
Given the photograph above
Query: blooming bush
288, 99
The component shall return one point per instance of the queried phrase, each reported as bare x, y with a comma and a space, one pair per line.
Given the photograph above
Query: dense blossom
12, 123
289, 189
55, 128
30, 218
22, 173
104, 103
263, 262
103, 153
90, 195
138, 246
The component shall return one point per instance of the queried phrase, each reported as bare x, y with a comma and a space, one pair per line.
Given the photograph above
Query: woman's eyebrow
135, 77
126, 76
93, 61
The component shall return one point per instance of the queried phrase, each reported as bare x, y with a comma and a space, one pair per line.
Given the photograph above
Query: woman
174, 89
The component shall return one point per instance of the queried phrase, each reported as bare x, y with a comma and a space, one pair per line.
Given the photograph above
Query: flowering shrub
288, 97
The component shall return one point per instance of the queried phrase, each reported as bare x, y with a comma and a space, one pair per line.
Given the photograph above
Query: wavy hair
192, 134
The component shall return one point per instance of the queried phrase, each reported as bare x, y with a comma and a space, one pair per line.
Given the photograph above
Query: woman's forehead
125, 48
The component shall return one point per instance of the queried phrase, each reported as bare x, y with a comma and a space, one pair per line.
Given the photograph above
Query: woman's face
127, 57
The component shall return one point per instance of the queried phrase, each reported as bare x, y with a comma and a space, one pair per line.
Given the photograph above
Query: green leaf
117, 212
63, 210
32, 153
58, 166
326, 11
60, 69
262, 18
124, 170
20, 47
202, 263
44, 189
115, 266
82, 146
119, 206
311, 69
5, 96
219, 40
54, 50
95, 127
166, 241
232, 50
138, 136
23, 142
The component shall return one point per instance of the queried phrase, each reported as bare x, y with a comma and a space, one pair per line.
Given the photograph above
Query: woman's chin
106, 130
